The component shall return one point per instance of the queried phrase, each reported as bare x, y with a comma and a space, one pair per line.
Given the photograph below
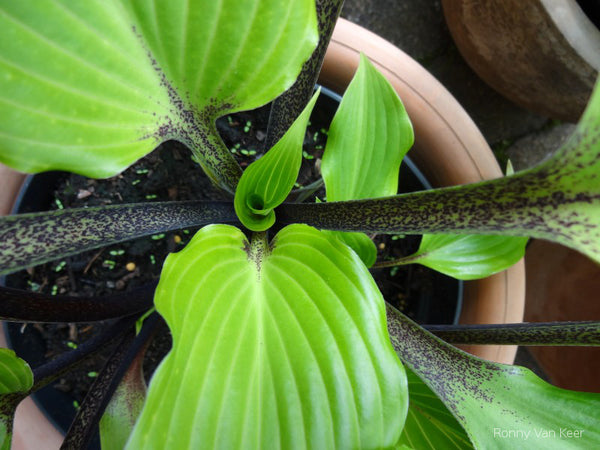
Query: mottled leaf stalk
50, 371
198, 131
558, 200
91, 410
24, 306
552, 333
29, 239
290, 104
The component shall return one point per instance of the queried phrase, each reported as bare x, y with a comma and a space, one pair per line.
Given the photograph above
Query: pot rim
450, 150
576, 27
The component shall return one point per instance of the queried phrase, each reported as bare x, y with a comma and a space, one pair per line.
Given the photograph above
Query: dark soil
169, 173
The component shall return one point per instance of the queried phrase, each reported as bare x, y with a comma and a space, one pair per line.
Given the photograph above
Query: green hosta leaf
558, 200
267, 182
91, 86
368, 137
359, 242
273, 347
429, 424
499, 406
469, 256
15, 374
16, 379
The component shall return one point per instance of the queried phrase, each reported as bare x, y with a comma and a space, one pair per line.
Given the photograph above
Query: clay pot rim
442, 128
576, 27
449, 149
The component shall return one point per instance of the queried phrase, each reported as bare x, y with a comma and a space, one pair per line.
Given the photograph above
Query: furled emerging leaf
267, 182
468, 256
368, 138
91, 86
499, 406
273, 347
16, 379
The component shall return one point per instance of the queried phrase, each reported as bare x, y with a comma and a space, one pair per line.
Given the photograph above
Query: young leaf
558, 200
15, 374
368, 138
359, 242
16, 379
29, 239
267, 181
273, 347
466, 256
498, 405
429, 425
92, 86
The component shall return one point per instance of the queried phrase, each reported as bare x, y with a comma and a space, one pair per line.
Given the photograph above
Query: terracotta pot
448, 148
564, 285
541, 54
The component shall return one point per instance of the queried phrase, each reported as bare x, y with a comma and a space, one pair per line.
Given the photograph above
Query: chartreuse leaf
558, 200
499, 406
267, 181
368, 138
16, 379
467, 256
281, 346
92, 86
359, 242
429, 424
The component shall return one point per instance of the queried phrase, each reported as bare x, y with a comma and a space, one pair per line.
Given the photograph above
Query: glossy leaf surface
558, 200
267, 181
273, 346
359, 242
92, 86
15, 374
16, 379
468, 256
368, 138
499, 406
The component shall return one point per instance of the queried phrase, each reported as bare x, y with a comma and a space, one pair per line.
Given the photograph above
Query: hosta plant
280, 339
